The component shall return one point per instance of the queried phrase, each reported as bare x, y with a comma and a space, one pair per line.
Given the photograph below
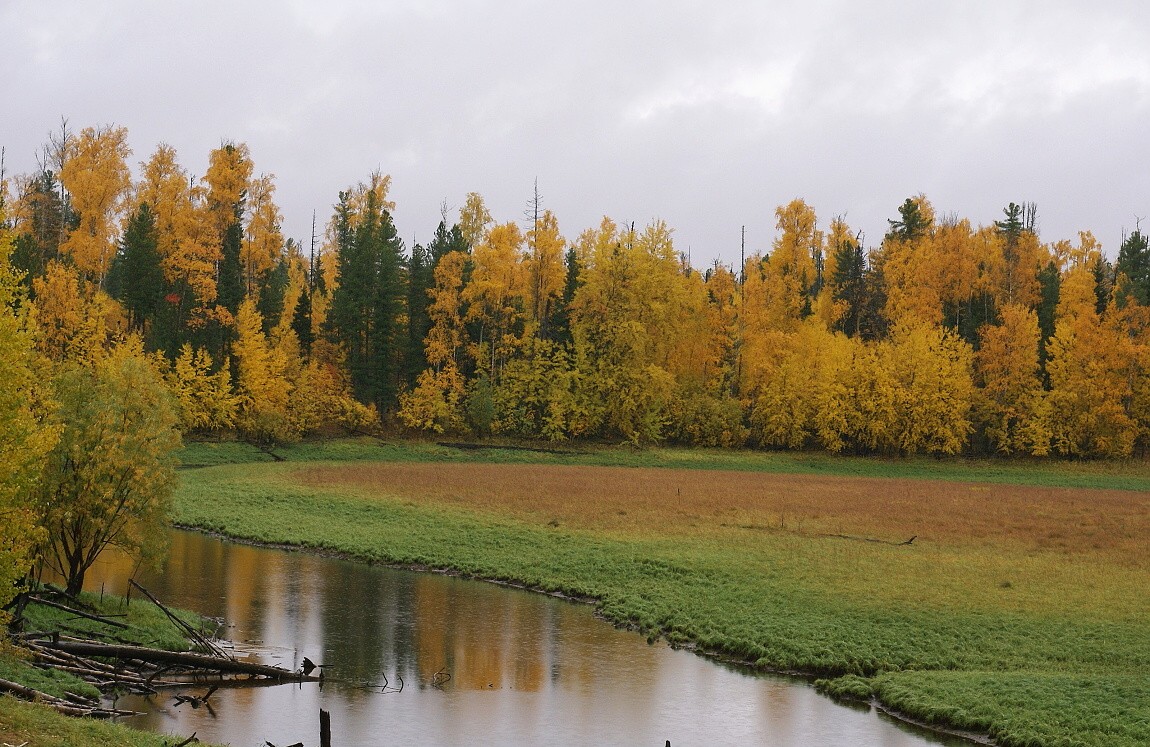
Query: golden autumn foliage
263, 243
227, 182
204, 398
619, 339
25, 438
803, 397
1012, 402
445, 340
933, 389
436, 403
624, 321
536, 393
495, 296
321, 398
262, 387
544, 271
96, 175
189, 248
110, 476
789, 274
1091, 367
72, 322
474, 219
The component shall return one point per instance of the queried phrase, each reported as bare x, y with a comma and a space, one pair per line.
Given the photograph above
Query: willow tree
109, 479
24, 437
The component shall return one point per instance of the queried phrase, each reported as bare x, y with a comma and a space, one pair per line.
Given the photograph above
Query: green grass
15, 668
39, 726
1033, 647
1113, 474
1028, 708
147, 626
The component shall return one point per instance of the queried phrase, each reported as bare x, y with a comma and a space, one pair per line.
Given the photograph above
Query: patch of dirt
676, 500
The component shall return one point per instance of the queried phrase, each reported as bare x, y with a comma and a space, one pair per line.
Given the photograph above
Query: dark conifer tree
301, 322
1103, 283
421, 277
849, 283
911, 223
369, 301
136, 277
1050, 282
51, 218
1134, 263
561, 319
272, 290
230, 284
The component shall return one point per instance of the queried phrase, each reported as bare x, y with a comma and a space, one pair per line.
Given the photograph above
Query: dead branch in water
194, 661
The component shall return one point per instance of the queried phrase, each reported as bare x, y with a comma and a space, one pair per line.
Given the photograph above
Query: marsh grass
147, 624
1115, 474
1007, 588
40, 726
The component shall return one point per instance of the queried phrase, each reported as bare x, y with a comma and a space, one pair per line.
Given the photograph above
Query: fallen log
201, 661
59, 704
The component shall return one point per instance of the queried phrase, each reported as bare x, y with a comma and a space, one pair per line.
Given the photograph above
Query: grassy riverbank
1019, 610
20, 722
40, 726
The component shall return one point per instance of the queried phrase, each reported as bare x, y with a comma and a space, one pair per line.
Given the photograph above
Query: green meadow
1019, 611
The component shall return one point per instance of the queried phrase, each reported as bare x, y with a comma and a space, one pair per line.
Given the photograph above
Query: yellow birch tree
98, 179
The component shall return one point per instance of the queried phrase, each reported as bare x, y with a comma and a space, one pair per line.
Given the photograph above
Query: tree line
945, 337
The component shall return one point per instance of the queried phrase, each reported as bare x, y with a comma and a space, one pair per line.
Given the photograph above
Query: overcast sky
705, 114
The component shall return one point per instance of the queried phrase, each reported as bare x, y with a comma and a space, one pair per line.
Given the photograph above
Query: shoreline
718, 656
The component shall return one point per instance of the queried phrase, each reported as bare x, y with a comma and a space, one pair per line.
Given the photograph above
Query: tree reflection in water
480, 664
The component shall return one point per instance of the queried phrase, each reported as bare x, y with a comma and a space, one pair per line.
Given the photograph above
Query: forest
946, 337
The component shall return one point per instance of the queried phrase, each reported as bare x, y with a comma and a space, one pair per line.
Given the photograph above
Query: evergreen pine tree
561, 319
849, 286
1050, 281
301, 322
1134, 263
1103, 283
136, 278
421, 277
272, 289
50, 219
369, 300
230, 286
911, 223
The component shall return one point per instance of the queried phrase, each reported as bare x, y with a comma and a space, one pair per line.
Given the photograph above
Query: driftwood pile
121, 668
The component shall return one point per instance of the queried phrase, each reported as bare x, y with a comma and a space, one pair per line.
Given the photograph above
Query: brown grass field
1063, 551
1111, 525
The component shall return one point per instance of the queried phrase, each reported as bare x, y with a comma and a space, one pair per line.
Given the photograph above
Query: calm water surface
525, 669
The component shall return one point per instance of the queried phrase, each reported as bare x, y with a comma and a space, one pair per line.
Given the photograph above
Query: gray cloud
707, 116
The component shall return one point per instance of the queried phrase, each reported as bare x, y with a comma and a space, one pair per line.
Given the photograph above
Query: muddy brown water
480, 664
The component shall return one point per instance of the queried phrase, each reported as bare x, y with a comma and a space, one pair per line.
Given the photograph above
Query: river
480, 665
